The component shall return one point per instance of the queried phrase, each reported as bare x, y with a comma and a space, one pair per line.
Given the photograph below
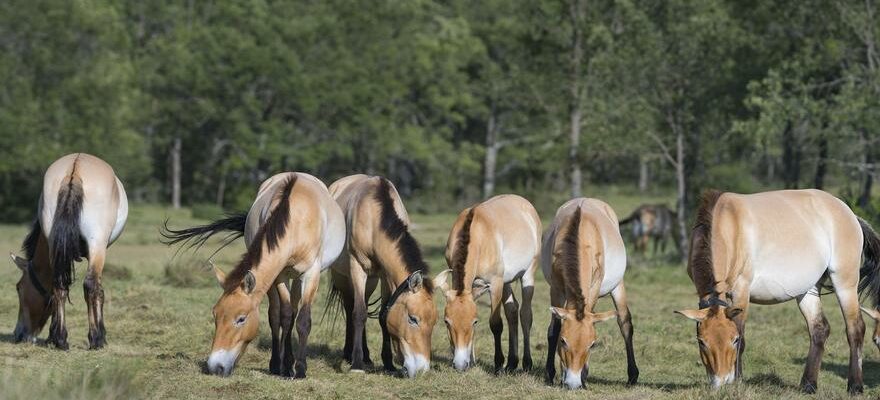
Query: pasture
159, 329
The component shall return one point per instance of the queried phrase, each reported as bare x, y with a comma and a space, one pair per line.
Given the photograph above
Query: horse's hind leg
624, 322
93, 291
817, 325
525, 315
371, 286
511, 312
58, 327
847, 295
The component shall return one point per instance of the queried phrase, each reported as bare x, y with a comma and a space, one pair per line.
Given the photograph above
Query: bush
188, 273
206, 211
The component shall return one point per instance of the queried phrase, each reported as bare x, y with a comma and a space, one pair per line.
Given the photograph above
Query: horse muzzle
222, 362
461, 359
717, 381
415, 363
572, 379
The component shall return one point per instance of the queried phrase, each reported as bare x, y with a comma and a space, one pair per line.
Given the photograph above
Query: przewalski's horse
767, 248
294, 230
652, 221
583, 258
379, 247
491, 245
82, 211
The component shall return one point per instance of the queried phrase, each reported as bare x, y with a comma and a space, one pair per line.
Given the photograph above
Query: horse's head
33, 302
410, 319
875, 315
460, 317
236, 319
577, 336
718, 338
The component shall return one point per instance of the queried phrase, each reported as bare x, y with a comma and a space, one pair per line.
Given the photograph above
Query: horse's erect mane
700, 260
396, 230
460, 255
568, 258
269, 233
29, 246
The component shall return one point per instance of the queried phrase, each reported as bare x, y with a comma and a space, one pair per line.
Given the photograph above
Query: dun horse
772, 247
294, 230
652, 221
491, 245
379, 246
584, 258
82, 211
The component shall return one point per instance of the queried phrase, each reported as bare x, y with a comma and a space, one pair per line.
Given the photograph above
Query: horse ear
696, 315
249, 282
21, 263
559, 312
733, 312
415, 281
873, 313
479, 287
440, 280
603, 316
221, 276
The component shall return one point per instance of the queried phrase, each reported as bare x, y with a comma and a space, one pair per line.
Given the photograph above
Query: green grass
159, 331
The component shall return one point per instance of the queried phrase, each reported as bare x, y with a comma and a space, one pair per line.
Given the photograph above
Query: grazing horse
491, 245
83, 209
771, 247
583, 258
652, 221
379, 246
294, 230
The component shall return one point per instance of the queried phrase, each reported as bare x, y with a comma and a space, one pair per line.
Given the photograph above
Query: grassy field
159, 330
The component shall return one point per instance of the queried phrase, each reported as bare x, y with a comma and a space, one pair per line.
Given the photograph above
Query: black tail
870, 272
65, 238
630, 218
196, 236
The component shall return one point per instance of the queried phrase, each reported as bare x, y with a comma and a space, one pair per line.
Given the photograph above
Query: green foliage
424, 92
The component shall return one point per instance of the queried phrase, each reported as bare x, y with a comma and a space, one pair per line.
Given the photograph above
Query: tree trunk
491, 160
821, 164
681, 201
644, 174
791, 160
868, 183
576, 12
176, 146
221, 187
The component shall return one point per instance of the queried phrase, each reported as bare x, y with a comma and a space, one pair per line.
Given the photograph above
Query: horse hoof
527, 364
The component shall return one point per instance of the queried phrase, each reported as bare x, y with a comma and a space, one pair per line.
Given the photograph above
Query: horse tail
196, 236
870, 272
630, 218
65, 239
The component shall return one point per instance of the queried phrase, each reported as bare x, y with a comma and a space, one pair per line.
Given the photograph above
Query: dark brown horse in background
652, 221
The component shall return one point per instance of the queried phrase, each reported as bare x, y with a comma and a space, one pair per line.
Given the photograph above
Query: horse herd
763, 248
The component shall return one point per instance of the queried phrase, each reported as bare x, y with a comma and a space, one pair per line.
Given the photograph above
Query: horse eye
564, 342
240, 320
448, 322
736, 341
475, 322
595, 342
413, 320
702, 342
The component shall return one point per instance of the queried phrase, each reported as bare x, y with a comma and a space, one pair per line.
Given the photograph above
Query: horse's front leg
496, 290
310, 280
624, 322
93, 291
359, 314
275, 329
288, 299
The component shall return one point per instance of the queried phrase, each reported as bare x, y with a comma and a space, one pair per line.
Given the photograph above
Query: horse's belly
771, 286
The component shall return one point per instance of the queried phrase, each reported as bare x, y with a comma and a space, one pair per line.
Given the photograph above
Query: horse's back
786, 239
602, 219
310, 199
511, 224
104, 203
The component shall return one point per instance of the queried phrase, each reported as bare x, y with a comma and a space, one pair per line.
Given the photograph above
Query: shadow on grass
771, 381
870, 370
